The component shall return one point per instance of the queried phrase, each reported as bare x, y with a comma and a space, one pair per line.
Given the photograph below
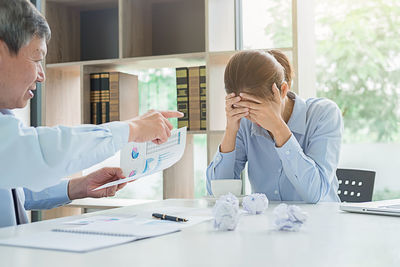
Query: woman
291, 145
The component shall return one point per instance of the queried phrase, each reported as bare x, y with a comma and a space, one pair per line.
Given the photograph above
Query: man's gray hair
20, 21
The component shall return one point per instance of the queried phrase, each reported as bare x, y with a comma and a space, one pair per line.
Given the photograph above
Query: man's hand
82, 187
152, 126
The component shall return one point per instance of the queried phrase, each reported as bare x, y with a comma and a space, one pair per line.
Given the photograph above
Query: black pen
168, 217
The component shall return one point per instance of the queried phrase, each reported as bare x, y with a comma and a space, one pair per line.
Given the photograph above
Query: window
267, 24
200, 165
358, 67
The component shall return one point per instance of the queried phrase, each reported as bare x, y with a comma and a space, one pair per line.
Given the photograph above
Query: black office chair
355, 185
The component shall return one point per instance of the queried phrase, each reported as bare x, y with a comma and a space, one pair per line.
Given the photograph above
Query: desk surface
329, 238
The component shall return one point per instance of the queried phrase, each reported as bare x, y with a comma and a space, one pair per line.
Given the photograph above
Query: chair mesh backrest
355, 185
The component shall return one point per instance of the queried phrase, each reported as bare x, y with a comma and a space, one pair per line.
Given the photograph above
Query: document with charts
141, 159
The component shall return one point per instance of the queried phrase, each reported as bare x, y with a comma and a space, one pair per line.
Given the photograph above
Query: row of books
191, 97
109, 93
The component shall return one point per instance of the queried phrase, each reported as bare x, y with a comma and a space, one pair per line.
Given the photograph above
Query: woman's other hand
234, 113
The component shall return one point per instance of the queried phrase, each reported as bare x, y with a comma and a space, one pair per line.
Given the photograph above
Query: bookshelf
128, 35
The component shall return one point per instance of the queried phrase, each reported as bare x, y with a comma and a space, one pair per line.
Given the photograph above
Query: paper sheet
142, 159
137, 227
94, 219
63, 241
87, 234
94, 235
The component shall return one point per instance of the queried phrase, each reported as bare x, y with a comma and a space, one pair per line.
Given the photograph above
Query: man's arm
37, 158
77, 188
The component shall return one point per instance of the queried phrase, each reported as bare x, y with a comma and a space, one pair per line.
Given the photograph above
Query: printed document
142, 159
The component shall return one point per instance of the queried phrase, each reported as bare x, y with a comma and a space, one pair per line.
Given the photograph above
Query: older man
37, 158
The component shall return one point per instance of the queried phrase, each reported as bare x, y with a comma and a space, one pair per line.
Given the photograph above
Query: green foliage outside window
157, 90
358, 62
357, 65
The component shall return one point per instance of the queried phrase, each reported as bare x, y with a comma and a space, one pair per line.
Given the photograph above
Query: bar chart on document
142, 159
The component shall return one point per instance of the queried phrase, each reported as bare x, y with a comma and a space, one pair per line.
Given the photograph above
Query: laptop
383, 207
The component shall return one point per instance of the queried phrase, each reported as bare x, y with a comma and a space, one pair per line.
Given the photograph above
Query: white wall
382, 158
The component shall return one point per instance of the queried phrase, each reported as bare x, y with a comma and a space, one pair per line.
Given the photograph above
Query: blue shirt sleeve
48, 198
37, 158
311, 171
227, 165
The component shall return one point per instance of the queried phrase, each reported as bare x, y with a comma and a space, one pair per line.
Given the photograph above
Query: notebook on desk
384, 207
94, 236
96, 232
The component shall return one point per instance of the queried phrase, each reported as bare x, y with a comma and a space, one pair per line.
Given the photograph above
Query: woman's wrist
228, 141
281, 134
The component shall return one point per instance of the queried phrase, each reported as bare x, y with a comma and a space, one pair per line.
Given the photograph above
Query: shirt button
287, 152
276, 192
279, 170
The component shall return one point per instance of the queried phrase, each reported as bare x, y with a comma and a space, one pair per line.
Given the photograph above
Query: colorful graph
163, 157
149, 164
135, 153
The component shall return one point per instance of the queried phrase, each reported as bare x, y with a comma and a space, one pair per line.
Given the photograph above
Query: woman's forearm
228, 142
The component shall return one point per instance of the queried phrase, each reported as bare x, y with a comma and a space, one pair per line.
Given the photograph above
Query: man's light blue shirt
48, 198
303, 169
37, 158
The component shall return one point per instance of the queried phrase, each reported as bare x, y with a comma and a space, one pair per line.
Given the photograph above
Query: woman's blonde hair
255, 72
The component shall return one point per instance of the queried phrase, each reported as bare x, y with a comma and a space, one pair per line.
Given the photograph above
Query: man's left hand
82, 187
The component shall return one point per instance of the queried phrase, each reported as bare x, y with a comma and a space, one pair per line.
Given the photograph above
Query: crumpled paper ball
289, 217
255, 203
226, 213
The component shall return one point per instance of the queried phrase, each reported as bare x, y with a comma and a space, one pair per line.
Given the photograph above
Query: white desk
329, 238
97, 204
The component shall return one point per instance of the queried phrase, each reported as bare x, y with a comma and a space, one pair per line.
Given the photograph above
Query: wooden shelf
78, 27
161, 61
62, 97
116, 29
159, 27
146, 62
148, 34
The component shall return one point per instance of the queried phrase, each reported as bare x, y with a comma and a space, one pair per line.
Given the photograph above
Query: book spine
194, 98
182, 94
95, 108
114, 96
203, 98
105, 97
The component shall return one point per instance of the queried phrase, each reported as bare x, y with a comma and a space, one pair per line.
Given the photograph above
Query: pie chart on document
133, 159
135, 153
